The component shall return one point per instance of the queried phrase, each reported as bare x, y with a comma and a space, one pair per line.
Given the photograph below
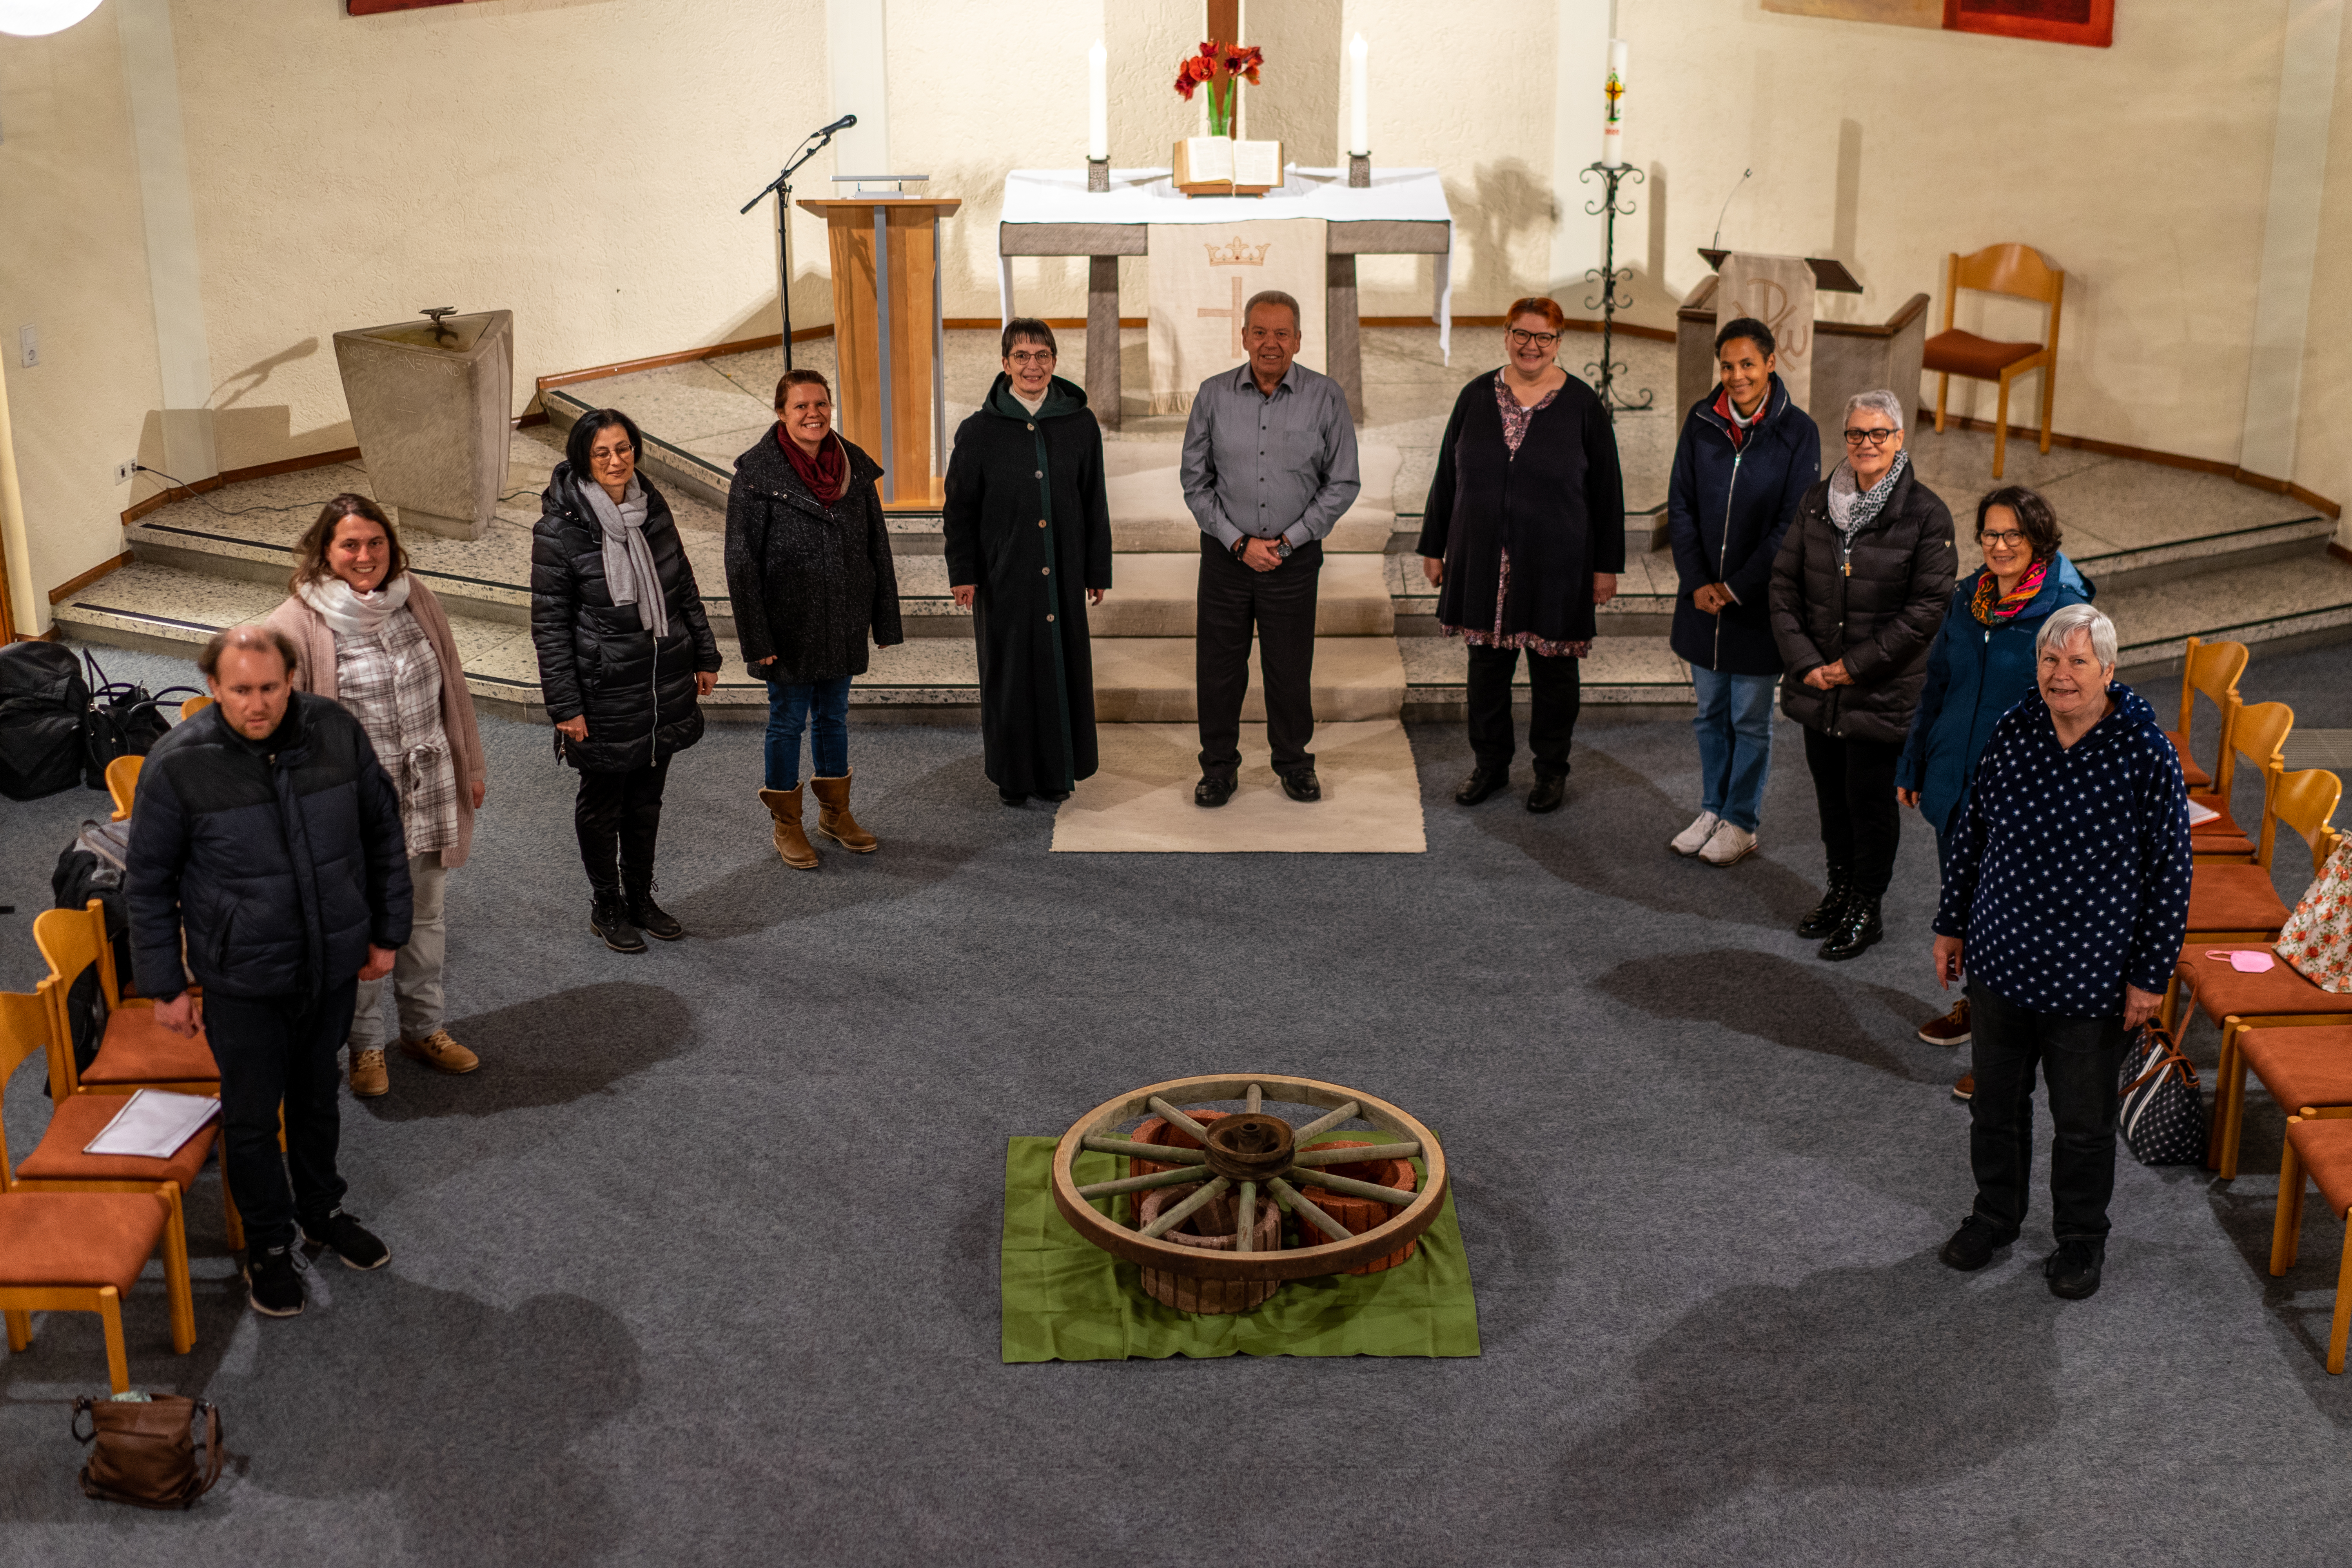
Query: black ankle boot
1856, 933
1826, 914
650, 917
609, 919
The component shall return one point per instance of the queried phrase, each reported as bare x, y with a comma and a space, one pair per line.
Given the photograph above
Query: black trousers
1854, 783
1280, 607
274, 1050
1557, 688
2080, 1059
620, 811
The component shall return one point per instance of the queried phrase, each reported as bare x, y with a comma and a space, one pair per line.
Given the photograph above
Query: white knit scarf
629, 571
349, 614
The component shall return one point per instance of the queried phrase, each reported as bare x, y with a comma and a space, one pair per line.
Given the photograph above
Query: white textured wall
73, 263
2323, 450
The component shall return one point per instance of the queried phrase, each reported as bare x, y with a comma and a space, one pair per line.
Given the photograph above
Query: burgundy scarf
827, 474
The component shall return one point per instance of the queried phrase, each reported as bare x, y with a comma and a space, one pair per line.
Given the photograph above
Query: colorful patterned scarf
1990, 613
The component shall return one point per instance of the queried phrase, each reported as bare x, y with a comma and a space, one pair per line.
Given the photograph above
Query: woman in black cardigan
1525, 533
625, 655
809, 575
1028, 547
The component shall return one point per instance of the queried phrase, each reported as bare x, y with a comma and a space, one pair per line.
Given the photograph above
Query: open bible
1220, 166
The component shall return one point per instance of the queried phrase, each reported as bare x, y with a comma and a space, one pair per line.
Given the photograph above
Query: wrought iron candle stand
1610, 276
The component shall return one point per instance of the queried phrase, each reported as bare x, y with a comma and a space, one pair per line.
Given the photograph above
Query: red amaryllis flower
1243, 62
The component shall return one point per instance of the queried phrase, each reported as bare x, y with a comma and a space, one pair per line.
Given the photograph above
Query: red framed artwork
2091, 22
377, 7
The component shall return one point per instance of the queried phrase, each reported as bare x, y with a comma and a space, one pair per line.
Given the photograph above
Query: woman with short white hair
2078, 777
1858, 593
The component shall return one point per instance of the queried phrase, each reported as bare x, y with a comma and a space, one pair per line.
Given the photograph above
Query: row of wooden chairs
2293, 1036
77, 1229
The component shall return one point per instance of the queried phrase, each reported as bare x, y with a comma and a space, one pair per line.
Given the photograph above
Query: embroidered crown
1238, 252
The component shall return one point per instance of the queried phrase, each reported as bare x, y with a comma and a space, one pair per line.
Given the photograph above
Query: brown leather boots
791, 842
833, 818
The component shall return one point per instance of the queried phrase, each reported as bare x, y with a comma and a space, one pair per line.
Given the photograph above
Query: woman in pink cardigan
372, 637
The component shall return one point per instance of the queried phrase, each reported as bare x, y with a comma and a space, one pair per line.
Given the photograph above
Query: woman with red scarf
809, 574
1982, 665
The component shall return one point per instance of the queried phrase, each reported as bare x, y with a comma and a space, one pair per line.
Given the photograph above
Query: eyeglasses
2006, 540
1520, 340
1043, 356
1870, 438
611, 454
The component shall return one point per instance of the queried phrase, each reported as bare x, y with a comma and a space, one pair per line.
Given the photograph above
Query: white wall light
33, 18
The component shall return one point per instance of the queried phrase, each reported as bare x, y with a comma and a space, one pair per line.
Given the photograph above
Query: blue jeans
819, 707
1735, 743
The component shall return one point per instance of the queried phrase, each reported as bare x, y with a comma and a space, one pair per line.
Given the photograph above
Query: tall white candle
1359, 117
1098, 103
1612, 131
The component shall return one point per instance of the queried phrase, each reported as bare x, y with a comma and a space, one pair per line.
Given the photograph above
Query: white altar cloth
1147, 196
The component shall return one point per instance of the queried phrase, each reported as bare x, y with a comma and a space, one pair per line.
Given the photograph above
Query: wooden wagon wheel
1261, 1156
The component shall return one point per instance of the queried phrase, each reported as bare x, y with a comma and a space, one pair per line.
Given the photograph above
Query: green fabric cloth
1067, 1300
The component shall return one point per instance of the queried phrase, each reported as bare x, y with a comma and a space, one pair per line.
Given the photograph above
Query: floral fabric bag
2317, 939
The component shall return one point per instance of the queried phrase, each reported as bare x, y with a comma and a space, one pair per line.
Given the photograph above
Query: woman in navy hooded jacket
1747, 455
1982, 665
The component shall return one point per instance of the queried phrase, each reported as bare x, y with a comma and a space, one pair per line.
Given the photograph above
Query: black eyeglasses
2006, 540
1871, 437
1542, 339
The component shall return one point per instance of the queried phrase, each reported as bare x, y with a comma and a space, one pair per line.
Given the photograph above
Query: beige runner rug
1140, 802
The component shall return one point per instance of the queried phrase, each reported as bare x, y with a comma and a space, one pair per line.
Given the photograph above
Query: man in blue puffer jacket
265, 846
1747, 456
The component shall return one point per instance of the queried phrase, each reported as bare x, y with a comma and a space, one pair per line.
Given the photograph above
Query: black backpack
93, 868
43, 704
123, 720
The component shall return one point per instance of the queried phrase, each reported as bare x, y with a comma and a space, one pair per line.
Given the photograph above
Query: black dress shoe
1549, 791
1302, 786
2074, 1269
1212, 790
1481, 784
1054, 797
1825, 916
1856, 933
1972, 1246
1012, 797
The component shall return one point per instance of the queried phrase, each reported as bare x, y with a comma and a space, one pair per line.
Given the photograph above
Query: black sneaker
1549, 791
273, 1280
1972, 1246
652, 919
348, 1239
1481, 784
2074, 1269
609, 920
1214, 789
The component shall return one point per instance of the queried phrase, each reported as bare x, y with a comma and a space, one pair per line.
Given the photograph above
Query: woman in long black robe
1028, 547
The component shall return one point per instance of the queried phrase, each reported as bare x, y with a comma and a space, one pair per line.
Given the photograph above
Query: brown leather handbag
146, 1451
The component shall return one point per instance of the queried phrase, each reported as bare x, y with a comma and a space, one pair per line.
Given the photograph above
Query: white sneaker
1690, 839
1727, 845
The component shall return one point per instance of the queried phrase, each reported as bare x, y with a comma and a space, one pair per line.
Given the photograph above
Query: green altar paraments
1065, 1300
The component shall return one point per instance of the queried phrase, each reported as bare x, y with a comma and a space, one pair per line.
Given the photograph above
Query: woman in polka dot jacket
2067, 890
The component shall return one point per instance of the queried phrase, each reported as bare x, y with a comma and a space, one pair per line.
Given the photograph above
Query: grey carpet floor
700, 1267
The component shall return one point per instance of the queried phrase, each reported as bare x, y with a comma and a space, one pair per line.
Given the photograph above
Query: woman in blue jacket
1982, 665
1747, 456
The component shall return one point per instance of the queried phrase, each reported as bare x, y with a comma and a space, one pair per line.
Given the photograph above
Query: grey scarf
628, 560
1853, 509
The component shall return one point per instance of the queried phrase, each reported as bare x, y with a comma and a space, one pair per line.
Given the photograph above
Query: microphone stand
781, 185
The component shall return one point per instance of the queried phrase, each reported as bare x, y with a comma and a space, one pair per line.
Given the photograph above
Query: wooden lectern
889, 335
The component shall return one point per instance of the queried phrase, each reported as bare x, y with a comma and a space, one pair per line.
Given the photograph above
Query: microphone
1745, 175
844, 123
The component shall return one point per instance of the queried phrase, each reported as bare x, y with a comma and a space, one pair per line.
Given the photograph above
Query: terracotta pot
1183, 1291
1361, 1215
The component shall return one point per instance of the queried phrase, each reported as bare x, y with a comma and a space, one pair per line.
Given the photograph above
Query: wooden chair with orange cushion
2021, 272
2240, 903
2278, 997
2306, 1072
2322, 1148
2211, 669
57, 1163
2258, 733
192, 706
136, 1052
122, 782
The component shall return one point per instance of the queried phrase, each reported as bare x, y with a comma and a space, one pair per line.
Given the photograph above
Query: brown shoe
368, 1078
1951, 1029
791, 842
833, 818
437, 1049
1967, 1086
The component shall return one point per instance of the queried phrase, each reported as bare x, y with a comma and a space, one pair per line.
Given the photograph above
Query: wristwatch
1282, 549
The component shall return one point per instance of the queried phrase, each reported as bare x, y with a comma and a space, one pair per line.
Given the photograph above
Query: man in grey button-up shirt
1269, 466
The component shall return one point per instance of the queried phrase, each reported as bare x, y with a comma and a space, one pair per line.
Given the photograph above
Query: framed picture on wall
2091, 22
376, 7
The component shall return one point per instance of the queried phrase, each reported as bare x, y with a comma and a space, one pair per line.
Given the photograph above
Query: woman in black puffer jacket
625, 654
1858, 591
